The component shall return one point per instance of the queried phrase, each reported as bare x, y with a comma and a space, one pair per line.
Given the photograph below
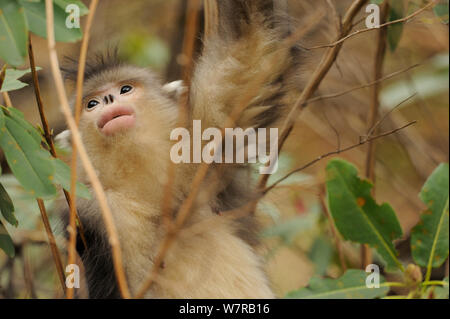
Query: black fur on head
95, 64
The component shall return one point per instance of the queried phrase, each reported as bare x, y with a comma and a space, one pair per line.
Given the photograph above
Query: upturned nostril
111, 98
105, 99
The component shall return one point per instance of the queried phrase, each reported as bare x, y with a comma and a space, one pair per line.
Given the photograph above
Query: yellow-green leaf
30, 163
6, 243
356, 214
429, 238
13, 33
7, 207
352, 285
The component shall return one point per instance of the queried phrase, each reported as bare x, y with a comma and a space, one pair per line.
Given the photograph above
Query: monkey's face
112, 109
126, 107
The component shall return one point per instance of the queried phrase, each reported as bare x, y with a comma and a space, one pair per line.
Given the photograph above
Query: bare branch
73, 164
366, 253
46, 128
98, 189
366, 85
361, 142
405, 19
52, 243
315, 80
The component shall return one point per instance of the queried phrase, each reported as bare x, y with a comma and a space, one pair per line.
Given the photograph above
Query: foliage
359, 219
398, 10
18, 17
23, 145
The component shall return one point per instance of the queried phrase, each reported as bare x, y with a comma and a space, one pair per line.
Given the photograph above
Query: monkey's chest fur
209, 259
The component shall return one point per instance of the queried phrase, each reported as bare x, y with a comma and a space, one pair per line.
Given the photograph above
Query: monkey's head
125, 110
125, 105
123, 102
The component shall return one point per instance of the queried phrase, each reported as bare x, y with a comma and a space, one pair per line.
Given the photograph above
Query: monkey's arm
246, 64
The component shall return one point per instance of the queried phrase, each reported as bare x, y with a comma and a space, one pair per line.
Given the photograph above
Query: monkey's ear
174, 89
64, 140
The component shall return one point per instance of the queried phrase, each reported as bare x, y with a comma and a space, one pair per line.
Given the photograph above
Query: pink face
111, 109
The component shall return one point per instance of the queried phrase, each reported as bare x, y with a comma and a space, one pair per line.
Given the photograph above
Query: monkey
125, 124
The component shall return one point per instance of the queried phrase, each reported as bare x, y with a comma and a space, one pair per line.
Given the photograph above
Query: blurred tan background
297, 238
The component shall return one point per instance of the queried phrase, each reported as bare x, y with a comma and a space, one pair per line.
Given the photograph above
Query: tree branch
315, 80
339, 151
96, 185
405, 19
73, 164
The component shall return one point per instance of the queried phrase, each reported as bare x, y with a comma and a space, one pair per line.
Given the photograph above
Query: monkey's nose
108, 99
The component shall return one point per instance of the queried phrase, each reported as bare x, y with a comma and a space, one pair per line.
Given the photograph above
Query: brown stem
366, 85
317, 77
191, 27
46, 128
384, 25
366, 253
336, 152
73, 164
51, 238
52, 243
84, 157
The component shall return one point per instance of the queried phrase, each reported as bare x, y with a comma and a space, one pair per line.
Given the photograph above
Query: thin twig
27, 273
7, 99
2, 75
211, 17
51, 238
405, 19
336, 152
366, 85
187, 51
52, 242
46, 128
315, 80
366, 253
193, 8
73, 164
90, 171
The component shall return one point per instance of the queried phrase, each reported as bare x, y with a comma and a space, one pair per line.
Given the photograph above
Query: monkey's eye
91, 104
125, 89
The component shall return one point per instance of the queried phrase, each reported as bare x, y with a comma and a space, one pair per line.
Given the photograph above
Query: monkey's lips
116, 119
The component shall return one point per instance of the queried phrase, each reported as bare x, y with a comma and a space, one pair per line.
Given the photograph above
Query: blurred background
297, 238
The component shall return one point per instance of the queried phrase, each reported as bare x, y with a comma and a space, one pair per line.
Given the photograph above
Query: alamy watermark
237, 146
73, 276
373, 279
373, 19
73, 19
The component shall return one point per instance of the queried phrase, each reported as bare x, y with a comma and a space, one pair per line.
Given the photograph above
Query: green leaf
7, 207
441, 292
441, 10
12, 79
356, 214
6, 243
19, 118
351, 285
64, 3
429, 238
13, 33
30, 163
320, 255
35, 13
395, 31
62, 177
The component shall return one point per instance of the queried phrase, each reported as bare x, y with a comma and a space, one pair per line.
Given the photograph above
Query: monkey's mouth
116, 119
